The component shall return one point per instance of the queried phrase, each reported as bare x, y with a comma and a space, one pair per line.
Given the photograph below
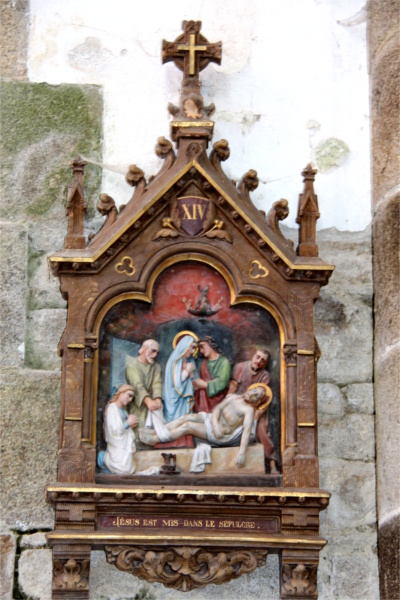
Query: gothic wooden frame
123, 260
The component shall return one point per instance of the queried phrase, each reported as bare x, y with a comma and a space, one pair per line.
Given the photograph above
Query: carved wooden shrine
186, 295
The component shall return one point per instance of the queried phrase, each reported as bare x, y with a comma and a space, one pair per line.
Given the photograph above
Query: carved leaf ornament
71, 574
185, 568
299, 580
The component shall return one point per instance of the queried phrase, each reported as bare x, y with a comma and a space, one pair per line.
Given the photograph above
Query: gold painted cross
191, 52
192, 49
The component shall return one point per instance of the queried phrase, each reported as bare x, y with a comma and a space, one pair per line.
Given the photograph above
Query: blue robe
178, 395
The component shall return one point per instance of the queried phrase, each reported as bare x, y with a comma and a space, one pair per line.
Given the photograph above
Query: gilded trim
76, 346
192, 123
306, 352
256, 228
279, 321
72, 418
94, 257
306, 424
234, 300
238, 209
282, 540
105, 489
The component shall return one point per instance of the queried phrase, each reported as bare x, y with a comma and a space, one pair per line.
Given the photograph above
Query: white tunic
120, 442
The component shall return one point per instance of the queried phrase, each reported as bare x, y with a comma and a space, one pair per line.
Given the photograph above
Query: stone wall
43, 128
384, 54
348, 566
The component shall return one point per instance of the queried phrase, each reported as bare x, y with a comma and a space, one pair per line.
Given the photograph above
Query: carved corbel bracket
71, 570
185, 568
299, 581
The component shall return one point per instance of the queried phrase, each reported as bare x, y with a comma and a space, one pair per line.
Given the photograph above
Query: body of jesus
233, 417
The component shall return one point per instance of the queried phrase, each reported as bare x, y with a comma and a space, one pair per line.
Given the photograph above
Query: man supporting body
144, 374
212, 385
244, 375
234, 416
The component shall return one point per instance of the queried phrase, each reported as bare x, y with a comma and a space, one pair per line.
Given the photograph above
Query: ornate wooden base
183, 567
185, 538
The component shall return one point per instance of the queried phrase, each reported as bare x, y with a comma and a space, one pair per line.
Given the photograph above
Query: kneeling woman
118, 425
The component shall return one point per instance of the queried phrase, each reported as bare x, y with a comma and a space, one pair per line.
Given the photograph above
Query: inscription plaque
193, 522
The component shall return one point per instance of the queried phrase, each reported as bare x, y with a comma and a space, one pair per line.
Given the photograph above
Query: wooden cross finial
191, 51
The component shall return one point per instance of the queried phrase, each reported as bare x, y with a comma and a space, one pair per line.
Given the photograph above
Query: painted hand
240, 459
133, 421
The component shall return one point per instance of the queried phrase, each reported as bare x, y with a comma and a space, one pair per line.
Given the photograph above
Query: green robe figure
144, 374
215, 371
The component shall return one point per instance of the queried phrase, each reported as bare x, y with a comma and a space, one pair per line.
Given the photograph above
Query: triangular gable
136, 208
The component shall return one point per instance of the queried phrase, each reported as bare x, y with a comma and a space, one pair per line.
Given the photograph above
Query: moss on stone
44, 127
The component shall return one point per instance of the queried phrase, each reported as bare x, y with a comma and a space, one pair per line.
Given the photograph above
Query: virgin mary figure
178, 392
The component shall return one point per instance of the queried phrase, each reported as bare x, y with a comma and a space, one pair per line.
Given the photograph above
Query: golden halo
267, 389
180, 335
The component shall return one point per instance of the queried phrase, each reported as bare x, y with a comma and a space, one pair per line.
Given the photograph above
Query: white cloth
155, 420
201, 458
120, 442
150, 471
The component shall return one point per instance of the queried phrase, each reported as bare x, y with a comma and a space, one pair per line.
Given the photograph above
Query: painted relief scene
188, 386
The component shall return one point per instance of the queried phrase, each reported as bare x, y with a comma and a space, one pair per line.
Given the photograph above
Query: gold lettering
170, 522
187, 523
226, 524
187, 213
202, 210
210, 523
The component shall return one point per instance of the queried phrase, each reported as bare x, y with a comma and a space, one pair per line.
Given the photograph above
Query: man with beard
144, 374
244, 375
